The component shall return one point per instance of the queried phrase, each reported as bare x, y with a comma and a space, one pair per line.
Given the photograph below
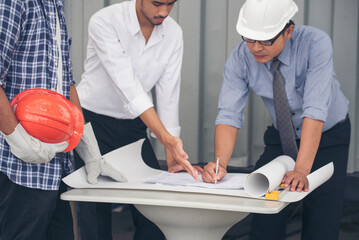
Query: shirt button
53, 89
54, 38
52, 13
56, 63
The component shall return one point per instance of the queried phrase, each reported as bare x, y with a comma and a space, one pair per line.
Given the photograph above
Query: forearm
309, 143
10, 25
225, 139
153, 122
177, 158
8, 119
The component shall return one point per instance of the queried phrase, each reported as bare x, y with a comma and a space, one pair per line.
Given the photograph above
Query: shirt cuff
176, 131
315, 113
229, 118
139, 104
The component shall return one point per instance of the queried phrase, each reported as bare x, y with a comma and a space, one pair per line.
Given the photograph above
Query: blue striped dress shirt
311, 85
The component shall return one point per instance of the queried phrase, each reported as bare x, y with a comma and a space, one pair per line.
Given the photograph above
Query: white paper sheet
185, 179
128, 160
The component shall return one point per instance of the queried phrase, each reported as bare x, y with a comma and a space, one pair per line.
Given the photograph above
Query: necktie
284, 121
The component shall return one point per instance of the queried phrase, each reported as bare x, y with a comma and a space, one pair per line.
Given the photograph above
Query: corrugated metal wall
209, 36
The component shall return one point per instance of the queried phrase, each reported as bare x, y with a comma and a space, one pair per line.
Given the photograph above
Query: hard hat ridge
264, 19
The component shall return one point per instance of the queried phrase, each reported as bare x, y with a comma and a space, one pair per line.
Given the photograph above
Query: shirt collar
284, 56
134, 24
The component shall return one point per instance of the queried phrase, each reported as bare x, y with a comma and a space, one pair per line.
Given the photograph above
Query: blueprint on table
185, 179
128, 160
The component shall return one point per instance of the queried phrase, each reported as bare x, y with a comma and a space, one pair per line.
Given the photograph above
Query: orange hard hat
49, 116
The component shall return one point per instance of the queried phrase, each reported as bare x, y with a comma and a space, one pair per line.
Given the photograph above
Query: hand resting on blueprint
95, 165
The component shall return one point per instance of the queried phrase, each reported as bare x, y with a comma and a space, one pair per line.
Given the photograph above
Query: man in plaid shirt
35, 53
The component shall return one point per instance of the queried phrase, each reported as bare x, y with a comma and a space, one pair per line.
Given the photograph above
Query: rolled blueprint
268, 177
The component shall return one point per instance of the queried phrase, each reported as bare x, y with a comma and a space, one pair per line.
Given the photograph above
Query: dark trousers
322, 208
28, 214
111, 133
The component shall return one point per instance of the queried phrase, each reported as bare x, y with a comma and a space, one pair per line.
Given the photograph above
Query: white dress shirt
121, 68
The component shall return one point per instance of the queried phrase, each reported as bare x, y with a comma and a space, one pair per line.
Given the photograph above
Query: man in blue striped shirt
318, 112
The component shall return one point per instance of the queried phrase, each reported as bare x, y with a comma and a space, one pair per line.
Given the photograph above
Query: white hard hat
264, 19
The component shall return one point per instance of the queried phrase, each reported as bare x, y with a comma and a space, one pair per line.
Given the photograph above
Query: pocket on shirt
150, 74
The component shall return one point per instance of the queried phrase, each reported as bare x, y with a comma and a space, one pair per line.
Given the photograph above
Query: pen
217, 164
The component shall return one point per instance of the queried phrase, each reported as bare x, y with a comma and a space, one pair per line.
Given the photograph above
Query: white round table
182, 215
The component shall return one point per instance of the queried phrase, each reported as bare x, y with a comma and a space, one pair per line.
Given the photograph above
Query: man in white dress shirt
133, 47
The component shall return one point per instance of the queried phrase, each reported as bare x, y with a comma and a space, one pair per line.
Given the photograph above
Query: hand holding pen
217, 164
214, 171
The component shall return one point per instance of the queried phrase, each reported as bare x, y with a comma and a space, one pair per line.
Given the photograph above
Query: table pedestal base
191, 223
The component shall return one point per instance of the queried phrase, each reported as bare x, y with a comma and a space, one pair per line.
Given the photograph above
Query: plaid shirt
29, 55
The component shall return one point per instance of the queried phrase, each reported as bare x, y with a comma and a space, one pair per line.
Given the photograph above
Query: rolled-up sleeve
234, 92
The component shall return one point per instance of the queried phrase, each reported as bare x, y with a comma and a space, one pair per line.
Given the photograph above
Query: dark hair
291, 22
